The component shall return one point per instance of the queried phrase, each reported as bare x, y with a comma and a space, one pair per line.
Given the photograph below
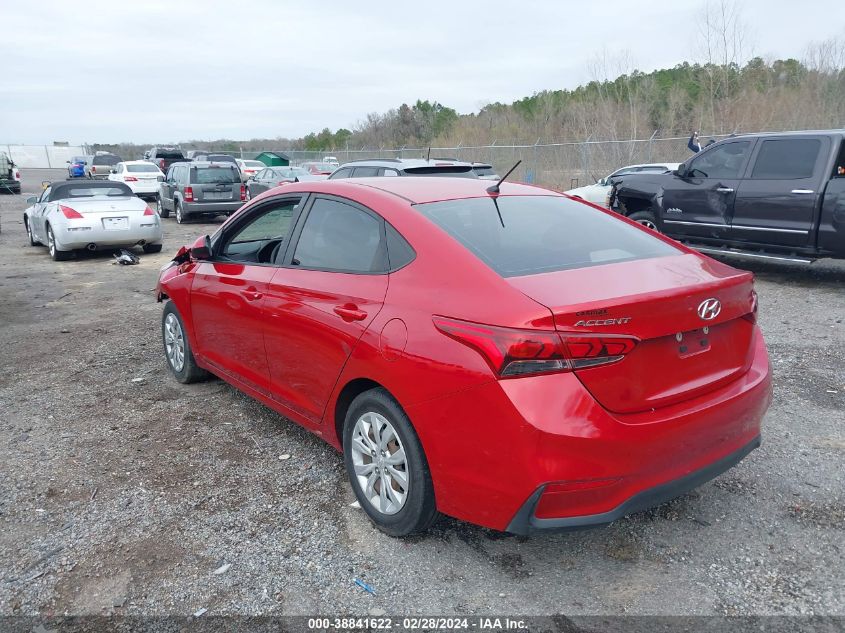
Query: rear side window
341, 173
214, 175
365, 172
788, 159
528, 235
340, 237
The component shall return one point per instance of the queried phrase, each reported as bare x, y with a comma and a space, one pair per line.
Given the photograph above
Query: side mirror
32, 200
68, 162
681, 171
201, 251
602, 182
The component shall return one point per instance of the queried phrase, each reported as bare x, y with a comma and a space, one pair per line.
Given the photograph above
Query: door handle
724, 190
251, 294
805, 191
350, 312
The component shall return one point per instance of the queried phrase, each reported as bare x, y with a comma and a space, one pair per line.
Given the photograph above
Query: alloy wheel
648, 224
174, 342
381, 467
179, 218
51, 242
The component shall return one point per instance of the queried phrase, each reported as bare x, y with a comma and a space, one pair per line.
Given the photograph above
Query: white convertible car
93, 215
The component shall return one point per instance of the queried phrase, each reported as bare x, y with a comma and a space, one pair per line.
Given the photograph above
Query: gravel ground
124, 492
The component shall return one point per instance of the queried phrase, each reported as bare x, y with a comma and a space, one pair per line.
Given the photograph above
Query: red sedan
519, 360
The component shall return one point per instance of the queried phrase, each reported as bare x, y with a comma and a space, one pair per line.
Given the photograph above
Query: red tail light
161, 164
131, 179
70, 214
515, 352
243, 192
189, 194
149, 211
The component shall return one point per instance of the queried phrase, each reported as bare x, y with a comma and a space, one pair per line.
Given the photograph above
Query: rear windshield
105, 160
163, 153
538, 234
142, 168
219, 158
214, 174
78, 159
90, 192
457, 171
483, 171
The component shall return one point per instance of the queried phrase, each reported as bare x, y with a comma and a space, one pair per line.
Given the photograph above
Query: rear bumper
542, 453
71, 240
194, 208
526, 520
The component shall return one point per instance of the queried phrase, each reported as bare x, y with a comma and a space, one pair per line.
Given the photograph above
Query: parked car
515, 359
76, 167
485, 171
164, 157
199, 188
91, 215
331, 160
10, 175
101, 164
249, 167
597, 192
370, 167
774, 196
271, 177
196, 154
220, 158
140, 176
317, 168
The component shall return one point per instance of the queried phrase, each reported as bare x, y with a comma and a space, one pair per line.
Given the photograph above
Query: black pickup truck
774, 196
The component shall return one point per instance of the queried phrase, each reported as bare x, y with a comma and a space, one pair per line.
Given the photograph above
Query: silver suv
374, 167
200, 188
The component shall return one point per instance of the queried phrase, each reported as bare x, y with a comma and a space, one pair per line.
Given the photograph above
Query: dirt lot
123, 491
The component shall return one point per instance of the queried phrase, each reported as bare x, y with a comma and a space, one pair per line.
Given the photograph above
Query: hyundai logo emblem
709, 309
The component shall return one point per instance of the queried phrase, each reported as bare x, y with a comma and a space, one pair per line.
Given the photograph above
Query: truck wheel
646, 218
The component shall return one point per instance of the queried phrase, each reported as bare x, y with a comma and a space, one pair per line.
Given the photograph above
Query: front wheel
162, 212
646, 218
386, 465
32, 240
177, 349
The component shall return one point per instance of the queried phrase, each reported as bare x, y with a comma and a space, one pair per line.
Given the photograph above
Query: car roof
137, 162
61, 189
839, 133
403, 163
206, 163
419, 190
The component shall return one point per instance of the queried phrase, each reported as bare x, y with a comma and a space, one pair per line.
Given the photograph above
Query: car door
700, 203
779, 201
330, 288
228, 291
166, 190
39, 213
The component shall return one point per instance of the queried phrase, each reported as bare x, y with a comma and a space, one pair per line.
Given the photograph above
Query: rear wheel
55, 253
386, 465
646, 218
179, 217
152, 248
177, 349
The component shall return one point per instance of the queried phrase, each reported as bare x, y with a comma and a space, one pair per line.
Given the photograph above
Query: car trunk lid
680, 354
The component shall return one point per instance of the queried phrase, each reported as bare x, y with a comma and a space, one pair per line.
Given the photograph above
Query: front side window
263, 236
341, 173
528, 235
340, 237
365, 172
786, 159
723, 161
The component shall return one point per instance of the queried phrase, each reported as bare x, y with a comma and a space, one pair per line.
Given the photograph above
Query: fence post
650, 143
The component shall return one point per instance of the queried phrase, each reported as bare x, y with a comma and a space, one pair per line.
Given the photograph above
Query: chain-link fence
560, 165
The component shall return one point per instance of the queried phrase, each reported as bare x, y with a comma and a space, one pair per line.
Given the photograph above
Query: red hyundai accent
519, 360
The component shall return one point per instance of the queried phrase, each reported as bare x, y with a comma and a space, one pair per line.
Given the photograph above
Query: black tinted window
365, 172
337, 236
168, 154
539, 234
787, 158
723, 161
399, 252
211, 175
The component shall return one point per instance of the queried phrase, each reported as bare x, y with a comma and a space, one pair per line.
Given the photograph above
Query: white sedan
597, 193
140, 176
94, 215
249, 168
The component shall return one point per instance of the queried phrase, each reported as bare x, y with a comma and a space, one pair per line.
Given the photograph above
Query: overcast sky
160, 71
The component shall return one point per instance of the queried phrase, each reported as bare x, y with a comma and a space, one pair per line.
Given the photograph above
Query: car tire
177, 348
180, 219
32, 240
646, 218
376, 431
55, 253
151, 248
162, 212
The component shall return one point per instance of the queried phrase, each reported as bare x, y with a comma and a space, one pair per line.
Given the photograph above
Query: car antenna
495, 188
496, 204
